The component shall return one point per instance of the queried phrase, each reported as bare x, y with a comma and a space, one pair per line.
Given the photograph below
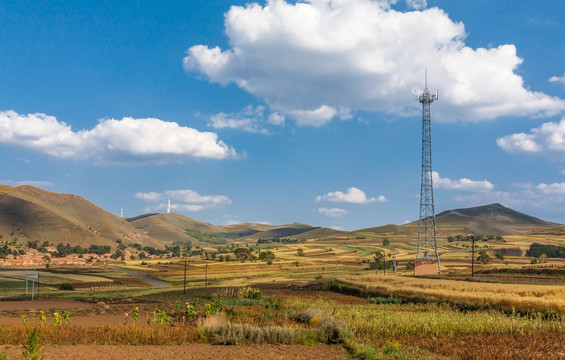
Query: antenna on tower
121, 213
169, 207
427, 254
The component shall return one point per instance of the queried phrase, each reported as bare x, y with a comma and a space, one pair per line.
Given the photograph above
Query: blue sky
285, 112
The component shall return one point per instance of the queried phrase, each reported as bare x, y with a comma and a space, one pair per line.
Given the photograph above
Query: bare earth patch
189, 352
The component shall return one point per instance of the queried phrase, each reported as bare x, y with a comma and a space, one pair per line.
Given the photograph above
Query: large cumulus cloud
128, 140
321, 59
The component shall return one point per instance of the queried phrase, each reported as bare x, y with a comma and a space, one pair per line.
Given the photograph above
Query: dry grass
544, 298
102, 335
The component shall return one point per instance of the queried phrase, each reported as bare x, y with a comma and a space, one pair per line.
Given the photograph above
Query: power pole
427, 236
394, 260
184, 290
472, 256
206, 275
384, 263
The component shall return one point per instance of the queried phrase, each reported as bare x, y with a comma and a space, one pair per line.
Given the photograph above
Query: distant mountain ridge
29, 213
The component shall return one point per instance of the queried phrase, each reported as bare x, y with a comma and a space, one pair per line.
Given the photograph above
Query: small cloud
417, 4
461, 184
353, 195
339, 228
250, 119
547, 138
182, 200
560, 79
276, 119
333, 212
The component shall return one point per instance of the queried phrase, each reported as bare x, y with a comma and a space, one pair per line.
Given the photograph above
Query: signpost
33, 277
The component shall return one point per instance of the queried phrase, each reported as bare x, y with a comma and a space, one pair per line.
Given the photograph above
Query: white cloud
417, 4
542, 197
353, 195
112, 141
182, 200
307, 60
551, 189
557, 79
461, 184
333, 212
339, 228
548, 138
249, 119
276, 119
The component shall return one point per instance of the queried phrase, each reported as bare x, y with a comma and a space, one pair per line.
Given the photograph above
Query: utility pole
206, 275
184, 290
394, 260
384, 263
472, 256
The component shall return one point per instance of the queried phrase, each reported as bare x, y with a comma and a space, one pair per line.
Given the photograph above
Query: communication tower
169, 207
427, 237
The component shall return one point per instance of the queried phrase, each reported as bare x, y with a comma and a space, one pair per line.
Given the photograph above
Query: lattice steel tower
427, 237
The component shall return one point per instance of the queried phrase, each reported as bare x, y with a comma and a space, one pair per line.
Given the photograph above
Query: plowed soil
187, 352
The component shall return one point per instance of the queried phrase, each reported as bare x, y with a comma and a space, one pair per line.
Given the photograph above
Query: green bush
384, 300
67, 286
33, 349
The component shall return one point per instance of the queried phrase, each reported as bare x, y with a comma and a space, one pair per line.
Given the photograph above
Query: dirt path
152, 281
187, 352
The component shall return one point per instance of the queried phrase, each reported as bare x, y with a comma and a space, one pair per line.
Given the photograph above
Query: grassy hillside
29, 213
169, 228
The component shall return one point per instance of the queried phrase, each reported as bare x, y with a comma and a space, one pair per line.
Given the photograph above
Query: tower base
425, 267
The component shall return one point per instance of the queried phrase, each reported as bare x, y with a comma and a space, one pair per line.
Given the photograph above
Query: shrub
161, 317
67, 286
231, 334
33, 349
384, 300
305, 316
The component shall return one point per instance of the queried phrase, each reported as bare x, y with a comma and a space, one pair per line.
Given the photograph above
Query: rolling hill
493, 219
29, 213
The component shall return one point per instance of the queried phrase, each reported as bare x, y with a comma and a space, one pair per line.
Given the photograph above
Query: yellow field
525, 297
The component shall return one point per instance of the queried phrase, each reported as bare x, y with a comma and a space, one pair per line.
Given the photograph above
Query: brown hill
169, 228
28, 213
493, 219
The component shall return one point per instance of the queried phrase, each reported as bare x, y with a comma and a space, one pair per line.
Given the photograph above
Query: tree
379, 257
386, 241
300, 252
241, 254
267, 256
499, 255
542, 259
483, 257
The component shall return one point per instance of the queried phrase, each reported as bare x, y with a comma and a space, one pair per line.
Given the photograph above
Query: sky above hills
284, 111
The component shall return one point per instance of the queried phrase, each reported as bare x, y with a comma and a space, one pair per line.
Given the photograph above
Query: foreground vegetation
369, 328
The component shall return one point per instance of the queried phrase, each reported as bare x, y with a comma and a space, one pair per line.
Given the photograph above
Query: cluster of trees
551, 251
214, 239
5, 251
460, 238
66, 249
